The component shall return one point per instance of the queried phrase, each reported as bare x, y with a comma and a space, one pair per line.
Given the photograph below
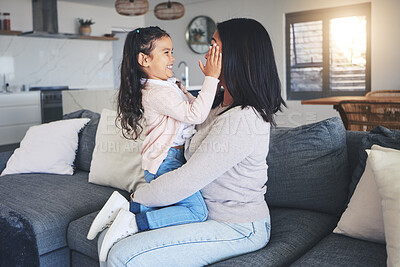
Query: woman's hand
214, 62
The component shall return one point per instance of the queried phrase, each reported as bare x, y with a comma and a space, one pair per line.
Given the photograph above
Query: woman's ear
143, 59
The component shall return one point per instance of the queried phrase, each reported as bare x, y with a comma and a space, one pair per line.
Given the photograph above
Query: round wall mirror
199, 33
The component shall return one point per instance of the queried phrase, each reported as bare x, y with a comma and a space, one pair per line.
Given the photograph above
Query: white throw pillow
47, 148
386, 168
363, 218
116, 160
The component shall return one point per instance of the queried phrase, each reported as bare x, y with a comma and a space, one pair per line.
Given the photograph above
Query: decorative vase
85, 30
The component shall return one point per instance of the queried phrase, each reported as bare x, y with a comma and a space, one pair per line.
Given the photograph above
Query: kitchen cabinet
18, 112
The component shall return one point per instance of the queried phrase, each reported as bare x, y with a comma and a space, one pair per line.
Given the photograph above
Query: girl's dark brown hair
129, 108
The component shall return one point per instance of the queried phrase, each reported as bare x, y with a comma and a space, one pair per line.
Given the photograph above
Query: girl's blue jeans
189, 210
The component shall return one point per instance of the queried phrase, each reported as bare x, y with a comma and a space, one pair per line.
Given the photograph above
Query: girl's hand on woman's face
214, 62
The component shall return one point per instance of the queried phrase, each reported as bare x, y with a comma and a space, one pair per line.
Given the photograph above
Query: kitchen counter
94, 100
17, 93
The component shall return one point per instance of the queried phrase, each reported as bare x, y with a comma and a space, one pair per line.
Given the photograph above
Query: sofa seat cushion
293, 233
338, 250
78, 259
76, 236
50, 202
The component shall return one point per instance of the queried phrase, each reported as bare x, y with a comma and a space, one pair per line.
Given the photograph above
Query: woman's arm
229, 141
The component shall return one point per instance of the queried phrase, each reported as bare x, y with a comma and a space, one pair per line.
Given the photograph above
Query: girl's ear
143, 59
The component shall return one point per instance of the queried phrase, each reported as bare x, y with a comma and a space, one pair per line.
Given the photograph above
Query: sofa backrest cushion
4, 157
87, 138
353, 141
308, 168
379, 136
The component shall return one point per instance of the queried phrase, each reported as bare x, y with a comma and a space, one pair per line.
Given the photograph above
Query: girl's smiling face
159, 64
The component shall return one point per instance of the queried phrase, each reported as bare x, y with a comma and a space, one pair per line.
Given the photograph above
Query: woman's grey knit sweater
226, 162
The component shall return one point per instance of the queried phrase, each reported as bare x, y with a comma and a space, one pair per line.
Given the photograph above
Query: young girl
148, 91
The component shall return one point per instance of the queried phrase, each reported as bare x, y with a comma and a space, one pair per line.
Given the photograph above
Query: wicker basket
384, 93
131, 8
366, 115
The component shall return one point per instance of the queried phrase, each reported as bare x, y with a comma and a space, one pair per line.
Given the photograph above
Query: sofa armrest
4, 157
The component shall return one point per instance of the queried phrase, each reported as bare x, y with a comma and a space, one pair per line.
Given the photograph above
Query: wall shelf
99, 38
67, 36
3, 32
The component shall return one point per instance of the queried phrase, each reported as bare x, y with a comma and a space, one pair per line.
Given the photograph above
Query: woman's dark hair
129, 108
248, 66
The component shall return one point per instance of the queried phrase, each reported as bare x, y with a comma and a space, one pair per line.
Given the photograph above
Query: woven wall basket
169, 10
132, 7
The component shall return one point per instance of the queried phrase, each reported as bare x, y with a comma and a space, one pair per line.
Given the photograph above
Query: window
328, 52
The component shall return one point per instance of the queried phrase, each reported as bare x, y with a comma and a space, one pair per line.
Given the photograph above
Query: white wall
43, 62
20, 13
105, 17
385, 44
33, 61
271, 13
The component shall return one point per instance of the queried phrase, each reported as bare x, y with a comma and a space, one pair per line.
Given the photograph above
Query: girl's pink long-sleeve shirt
164, 110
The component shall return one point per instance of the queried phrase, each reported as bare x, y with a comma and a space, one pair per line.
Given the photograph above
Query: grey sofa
44, 218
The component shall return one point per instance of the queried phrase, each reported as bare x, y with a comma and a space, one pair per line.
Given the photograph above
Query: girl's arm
167, 102
229, 141
190, 97
196, 111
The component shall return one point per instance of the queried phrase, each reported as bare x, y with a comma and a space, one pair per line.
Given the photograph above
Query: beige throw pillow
363, 217
116, 160
386, 168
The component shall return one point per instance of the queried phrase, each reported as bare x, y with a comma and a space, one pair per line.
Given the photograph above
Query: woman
226, 162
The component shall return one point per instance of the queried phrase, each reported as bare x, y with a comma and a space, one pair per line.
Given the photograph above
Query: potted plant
84, 28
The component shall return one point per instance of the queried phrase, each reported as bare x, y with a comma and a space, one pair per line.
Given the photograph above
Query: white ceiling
111, 3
